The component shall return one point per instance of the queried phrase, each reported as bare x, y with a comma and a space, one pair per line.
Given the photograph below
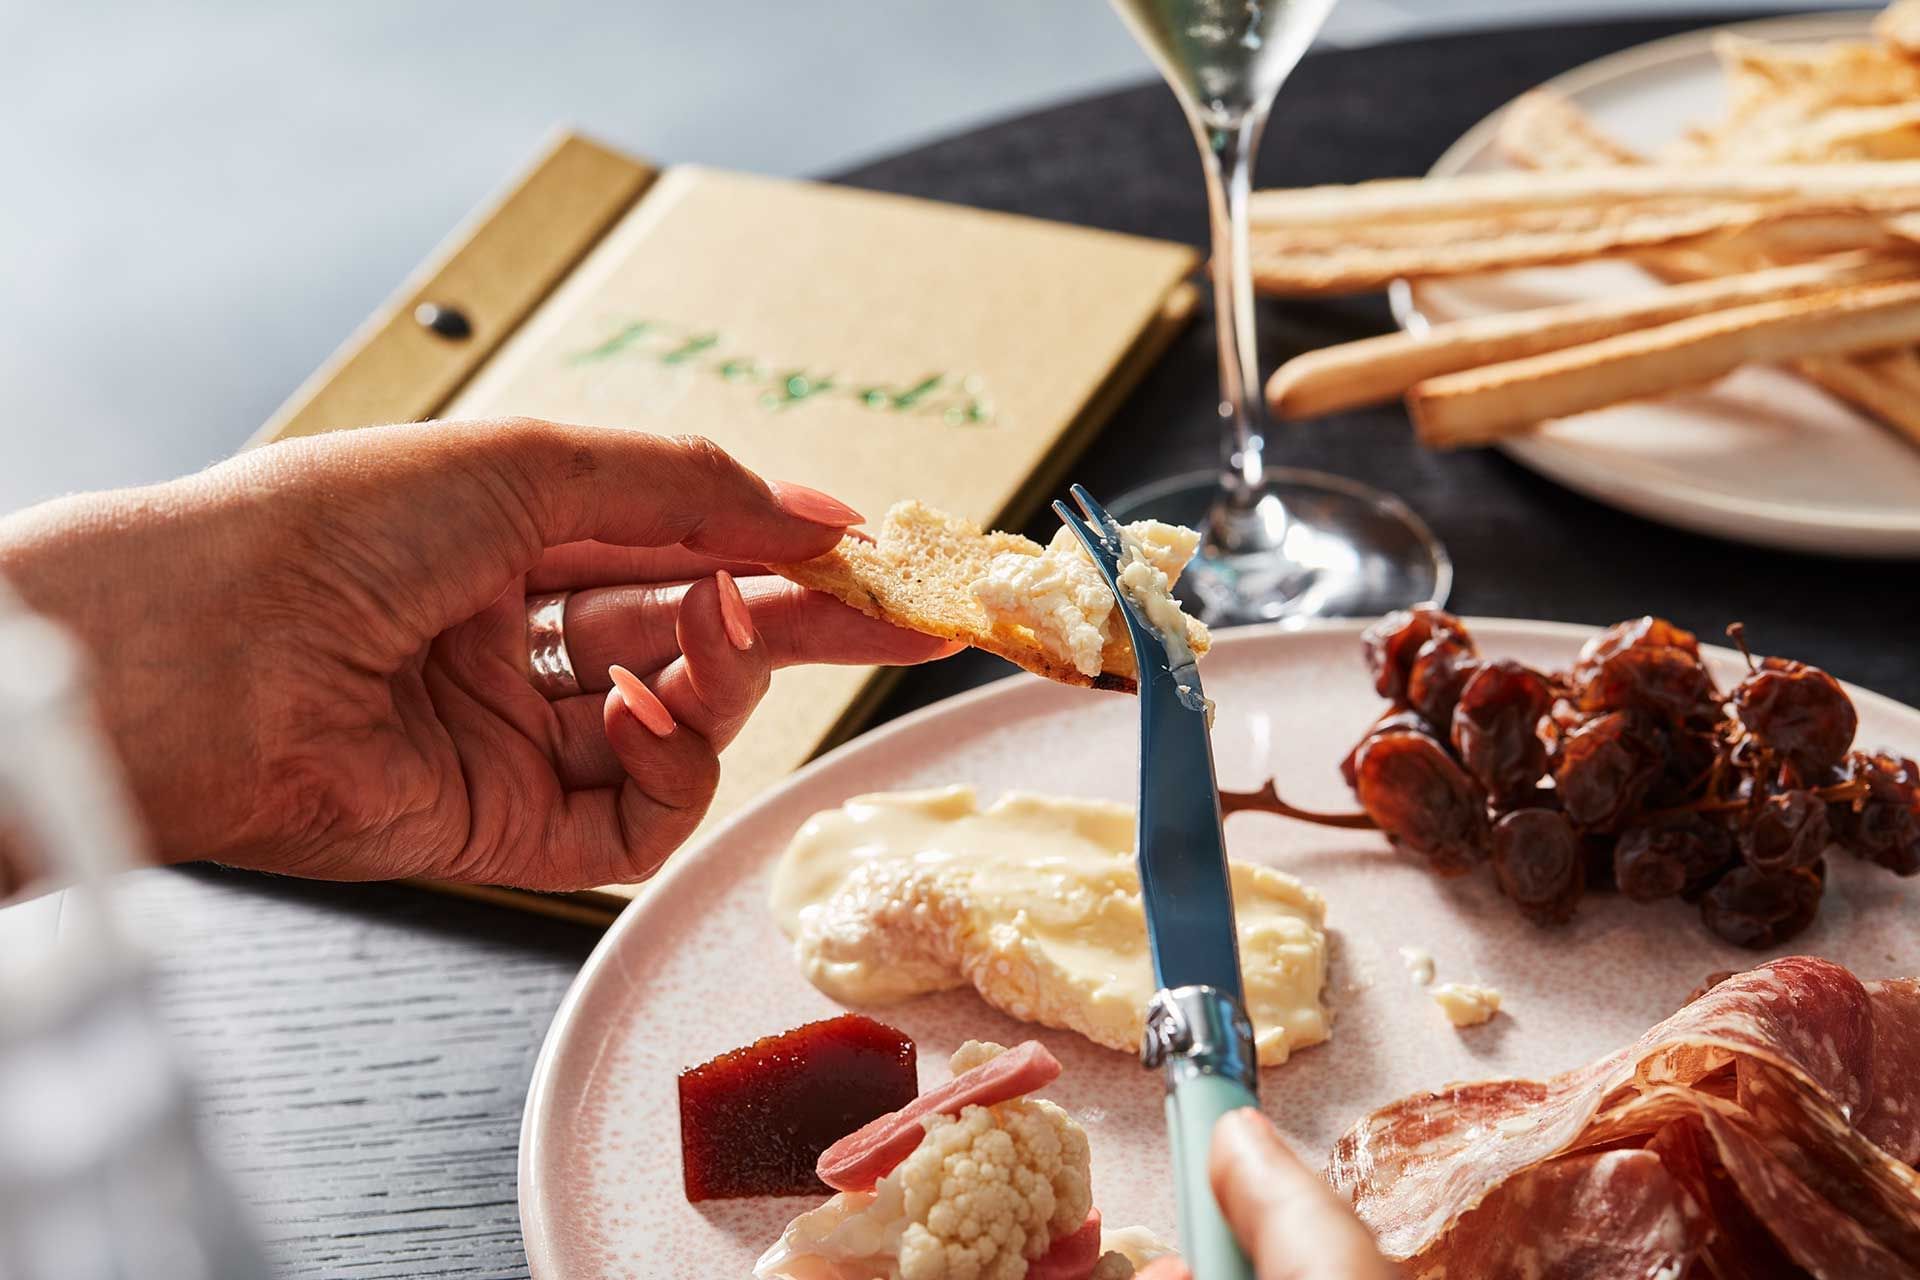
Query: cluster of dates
1631, 771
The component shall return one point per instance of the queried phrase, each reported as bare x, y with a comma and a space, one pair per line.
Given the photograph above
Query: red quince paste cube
754, 1121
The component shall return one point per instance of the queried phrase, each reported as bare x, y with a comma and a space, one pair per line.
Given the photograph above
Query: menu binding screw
448, 322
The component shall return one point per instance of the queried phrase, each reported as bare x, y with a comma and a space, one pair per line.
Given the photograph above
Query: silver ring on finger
549, 665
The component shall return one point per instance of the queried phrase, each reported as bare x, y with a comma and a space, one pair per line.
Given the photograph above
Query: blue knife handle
1194, 1106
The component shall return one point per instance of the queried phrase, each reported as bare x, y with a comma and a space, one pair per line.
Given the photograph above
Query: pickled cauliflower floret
988, 1191
1060, 596
974, 1053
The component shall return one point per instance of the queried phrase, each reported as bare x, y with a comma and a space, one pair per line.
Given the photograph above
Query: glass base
1313, 546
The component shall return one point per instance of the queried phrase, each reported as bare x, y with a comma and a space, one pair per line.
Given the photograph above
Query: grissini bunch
1376, 370
1480, 405
1786, 232
1542, 130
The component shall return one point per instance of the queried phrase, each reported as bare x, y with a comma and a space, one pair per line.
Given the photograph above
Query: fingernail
642, 702
813, 505
733, 612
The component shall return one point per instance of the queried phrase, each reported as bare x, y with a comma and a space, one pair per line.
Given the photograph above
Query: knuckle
521, 429
299, 803
517, 446
783, 622
688, 783
755, 679
706, 455
525, 447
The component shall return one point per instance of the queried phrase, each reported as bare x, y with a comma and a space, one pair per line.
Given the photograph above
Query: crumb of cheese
1138, 1245
1419, 962
1465, 1004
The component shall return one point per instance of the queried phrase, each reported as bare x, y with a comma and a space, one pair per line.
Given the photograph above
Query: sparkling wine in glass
1280, 543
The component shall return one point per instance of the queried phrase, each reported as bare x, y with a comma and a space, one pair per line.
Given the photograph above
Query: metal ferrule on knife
1193, 1031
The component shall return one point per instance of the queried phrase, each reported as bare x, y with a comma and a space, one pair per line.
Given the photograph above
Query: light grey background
198, 200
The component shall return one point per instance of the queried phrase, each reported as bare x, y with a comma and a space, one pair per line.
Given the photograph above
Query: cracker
918, 574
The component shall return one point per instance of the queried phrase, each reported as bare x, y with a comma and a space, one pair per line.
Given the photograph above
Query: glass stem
1227, 151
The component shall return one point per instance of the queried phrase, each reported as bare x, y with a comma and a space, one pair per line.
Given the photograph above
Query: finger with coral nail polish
734, 617
716, 682
644, 705
661, 785
812, 505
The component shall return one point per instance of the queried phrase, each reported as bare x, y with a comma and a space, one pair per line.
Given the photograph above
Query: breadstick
1627, 221
1481, 405
1898, 27
1884, 384
1374, 370
1358, 267
1477, 195
1890, 132
1542, 130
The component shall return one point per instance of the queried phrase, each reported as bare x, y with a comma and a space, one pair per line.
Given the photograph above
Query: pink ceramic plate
697, 966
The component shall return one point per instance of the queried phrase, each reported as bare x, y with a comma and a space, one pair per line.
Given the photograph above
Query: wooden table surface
364, 1051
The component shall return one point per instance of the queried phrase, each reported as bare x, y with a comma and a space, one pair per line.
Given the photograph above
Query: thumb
1283, 1213
434, 520
630, 489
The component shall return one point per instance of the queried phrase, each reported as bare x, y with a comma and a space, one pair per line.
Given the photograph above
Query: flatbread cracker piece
918, 574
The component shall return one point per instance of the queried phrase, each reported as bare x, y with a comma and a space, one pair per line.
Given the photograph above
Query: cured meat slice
1817, 1193
1753, 1091
1416, 1165
1827, 1241
1740, 1244
1623, 1214
872, 1151
1892, 1119
1818, 1144
1071, 1257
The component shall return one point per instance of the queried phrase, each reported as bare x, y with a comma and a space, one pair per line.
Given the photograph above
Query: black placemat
1522, 546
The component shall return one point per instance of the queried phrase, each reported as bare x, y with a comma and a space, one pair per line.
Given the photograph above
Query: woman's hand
313, 657
1285, 1215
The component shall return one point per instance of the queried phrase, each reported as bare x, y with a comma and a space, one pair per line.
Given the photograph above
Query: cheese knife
1198, 1031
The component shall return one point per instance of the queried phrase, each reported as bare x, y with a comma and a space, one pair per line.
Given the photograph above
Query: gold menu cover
874, 346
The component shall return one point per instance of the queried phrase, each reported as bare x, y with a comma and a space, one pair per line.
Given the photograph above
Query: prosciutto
1765, 1129
1072, 1256
874, 1150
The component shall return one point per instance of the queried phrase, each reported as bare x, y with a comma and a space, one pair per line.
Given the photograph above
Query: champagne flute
1279, 543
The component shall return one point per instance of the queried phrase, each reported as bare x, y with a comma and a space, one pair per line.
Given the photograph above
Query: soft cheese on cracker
1045, 608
